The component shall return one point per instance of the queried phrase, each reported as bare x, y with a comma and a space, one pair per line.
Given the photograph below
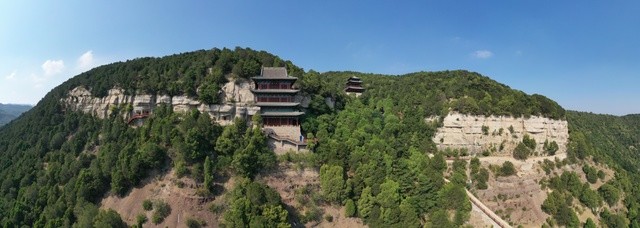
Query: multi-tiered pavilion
354, 86
275, 95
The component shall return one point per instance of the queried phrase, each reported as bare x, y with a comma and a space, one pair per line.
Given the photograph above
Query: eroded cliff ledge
466, 131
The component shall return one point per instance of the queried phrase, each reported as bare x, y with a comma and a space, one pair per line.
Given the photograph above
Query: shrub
195, 223
485, 130
141, 219
481, 178
521, 152
162, 211
609, 193
600, 174
550, 148
350, 208
507, 169
529, 142
147, 205
591, 173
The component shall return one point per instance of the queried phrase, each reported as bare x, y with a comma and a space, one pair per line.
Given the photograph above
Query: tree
481, 178
229, 141
332, 182
365, 203
108, 219
274, 216
85, 213
162, 210
389, 196
439, 218
591, 173
350, 208
590, 198
151, 155
208, 173
208, 93
521, 151
256, 120
529, 142
550, 148
589, 224
408, 215
507, 169
609, 193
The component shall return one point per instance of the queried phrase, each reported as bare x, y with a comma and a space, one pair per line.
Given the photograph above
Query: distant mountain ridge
9, 112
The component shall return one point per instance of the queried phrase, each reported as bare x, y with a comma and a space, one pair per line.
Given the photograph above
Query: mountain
78, 158
9, 112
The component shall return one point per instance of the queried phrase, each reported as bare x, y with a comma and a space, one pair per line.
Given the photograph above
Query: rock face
466, 131
237, 97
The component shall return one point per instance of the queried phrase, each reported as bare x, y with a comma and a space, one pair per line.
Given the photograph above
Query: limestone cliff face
236, 96
466, 131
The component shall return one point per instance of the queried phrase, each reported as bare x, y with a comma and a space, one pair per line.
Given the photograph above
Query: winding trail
487, 213
477, 205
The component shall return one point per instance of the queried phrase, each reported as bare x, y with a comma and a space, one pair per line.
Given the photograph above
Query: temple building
274, 94
354, 86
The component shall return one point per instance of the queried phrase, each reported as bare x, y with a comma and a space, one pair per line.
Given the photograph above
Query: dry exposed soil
179, 193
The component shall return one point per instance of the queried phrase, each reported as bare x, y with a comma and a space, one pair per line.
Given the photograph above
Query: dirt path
496, 221
487, 214
500, 160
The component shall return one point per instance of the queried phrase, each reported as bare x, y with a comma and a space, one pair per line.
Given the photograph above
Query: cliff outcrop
237, 101
498, 134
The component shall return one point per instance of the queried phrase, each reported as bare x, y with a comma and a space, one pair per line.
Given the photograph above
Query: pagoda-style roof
277, 104
354, 79
275, 90
274, 73
281, 114
354, 89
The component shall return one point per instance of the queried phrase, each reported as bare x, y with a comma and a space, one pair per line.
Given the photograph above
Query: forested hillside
614, 141
56, 165
374, 154
9, 112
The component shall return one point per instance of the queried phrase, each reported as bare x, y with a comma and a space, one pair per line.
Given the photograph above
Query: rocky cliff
498, 134
237, 100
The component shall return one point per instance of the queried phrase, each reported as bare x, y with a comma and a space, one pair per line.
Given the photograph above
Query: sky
583, 54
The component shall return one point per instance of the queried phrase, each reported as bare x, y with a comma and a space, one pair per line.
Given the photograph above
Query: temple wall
292, 132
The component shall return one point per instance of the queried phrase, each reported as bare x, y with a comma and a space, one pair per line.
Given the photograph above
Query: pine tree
208, 173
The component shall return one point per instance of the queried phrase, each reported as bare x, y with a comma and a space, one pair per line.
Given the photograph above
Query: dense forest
614, 141
374, 154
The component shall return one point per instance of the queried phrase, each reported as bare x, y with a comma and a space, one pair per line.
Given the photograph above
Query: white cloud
52, 67
482, 54
12, 75
85, 61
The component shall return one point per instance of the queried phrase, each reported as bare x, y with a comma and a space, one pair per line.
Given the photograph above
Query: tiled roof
274, 90
274, 72
277, 104
286, 114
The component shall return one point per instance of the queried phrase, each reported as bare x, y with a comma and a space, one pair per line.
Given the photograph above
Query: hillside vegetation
614, 141
371, 152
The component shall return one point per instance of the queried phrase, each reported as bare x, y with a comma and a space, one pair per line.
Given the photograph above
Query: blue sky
583, 54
